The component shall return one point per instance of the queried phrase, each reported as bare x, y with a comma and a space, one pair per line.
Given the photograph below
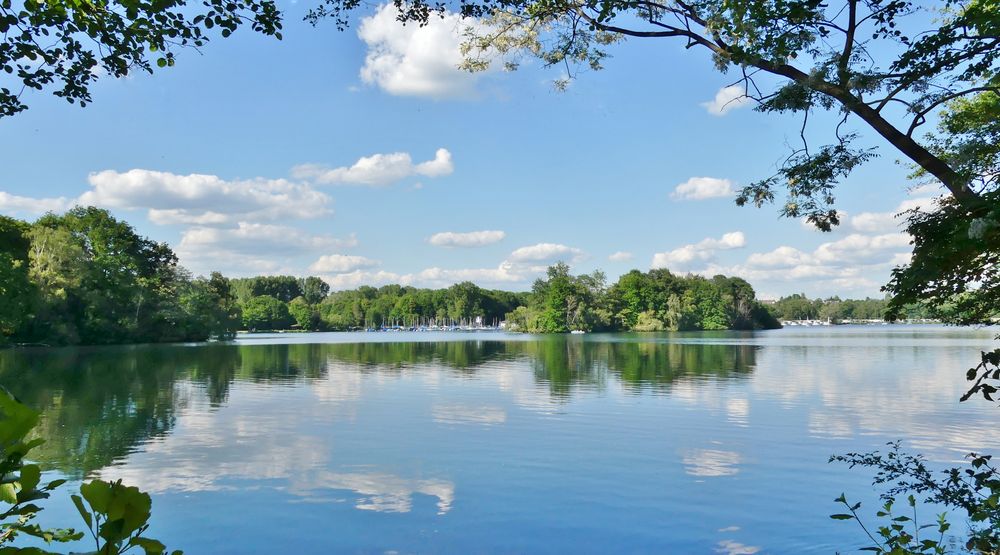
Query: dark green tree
314, 289
17, 294
304, 314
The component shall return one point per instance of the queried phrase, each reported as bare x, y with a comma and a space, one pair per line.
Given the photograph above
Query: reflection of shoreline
100, 403
384, 441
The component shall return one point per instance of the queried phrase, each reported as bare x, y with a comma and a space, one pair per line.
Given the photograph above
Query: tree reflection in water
100, 403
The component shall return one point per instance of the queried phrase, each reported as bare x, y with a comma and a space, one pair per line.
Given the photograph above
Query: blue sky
366, 157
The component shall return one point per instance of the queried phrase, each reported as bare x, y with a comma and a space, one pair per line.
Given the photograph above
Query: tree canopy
64, 46
656, 300
86, 277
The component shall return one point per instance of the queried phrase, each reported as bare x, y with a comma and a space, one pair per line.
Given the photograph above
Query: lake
713, 442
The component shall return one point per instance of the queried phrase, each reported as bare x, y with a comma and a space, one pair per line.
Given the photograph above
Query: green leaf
842, 517
8, 493
82, 510
150, 546
17, 422
30, 476
98, 494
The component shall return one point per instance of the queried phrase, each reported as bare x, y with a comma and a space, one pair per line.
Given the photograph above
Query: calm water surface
492, 443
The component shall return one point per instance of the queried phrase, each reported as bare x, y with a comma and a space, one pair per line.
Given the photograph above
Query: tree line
559, 302
835, 309
84, 277
285, 302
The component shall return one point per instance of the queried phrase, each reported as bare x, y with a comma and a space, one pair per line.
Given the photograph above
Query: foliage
561, 302
314, 289
85, 277
283, 288
395, 305
20, 485
266, 313
305, 315
65, 46
895, 534
118, 515
956, 263
955, 272
834, 309
16, 288
653, 301
973, 489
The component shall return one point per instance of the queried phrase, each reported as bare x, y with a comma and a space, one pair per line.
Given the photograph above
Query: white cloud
341, 263
186, 217
517, 270
885, 222
544, 254
701, 188
781, 257
933, 189
679, 258
732, 240
861, 249
204, 199
253, 238
469, 239
14, 205
357, 278
851, 252
378, 169
251, 248
439, 277
726, 99
857, 265
688, 257
621, 256
505, 274
416, 60
440, 166
920, 204
875, 222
